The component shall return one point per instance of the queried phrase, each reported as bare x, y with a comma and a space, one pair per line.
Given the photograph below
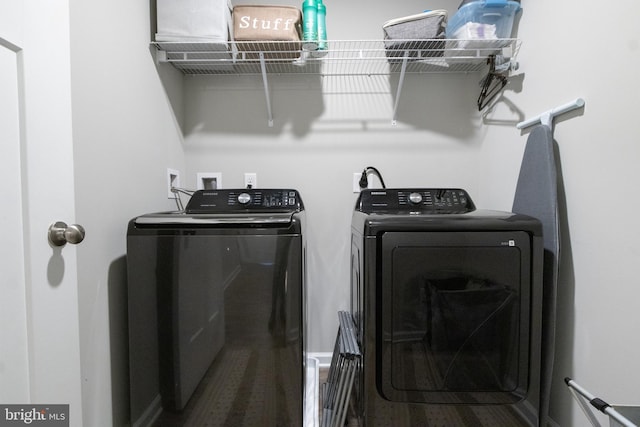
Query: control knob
244, 198
415, 198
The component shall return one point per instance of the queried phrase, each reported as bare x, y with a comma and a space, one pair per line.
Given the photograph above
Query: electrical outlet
173, 180
356, 181
250, 180
209, 180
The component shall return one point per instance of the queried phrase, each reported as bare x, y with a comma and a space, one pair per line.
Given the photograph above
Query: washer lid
211, 220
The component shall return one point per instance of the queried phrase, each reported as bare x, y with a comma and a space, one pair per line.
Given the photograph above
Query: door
39, 304
455, 319
13, 364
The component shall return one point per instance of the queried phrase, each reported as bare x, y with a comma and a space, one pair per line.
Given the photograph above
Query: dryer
447, 302
216, 311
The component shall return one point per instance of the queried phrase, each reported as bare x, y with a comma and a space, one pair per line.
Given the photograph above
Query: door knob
61, 234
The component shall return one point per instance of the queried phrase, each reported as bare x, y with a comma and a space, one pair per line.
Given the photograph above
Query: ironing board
537, 196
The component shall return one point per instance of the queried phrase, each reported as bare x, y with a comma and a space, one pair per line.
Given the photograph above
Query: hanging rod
547, 117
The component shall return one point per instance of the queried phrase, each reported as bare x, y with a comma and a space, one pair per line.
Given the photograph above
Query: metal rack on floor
344, 363
616, 418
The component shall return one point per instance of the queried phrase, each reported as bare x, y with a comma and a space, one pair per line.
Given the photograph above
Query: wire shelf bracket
403, 70
265, 82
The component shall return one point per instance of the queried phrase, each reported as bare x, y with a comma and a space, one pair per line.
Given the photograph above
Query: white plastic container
483, 19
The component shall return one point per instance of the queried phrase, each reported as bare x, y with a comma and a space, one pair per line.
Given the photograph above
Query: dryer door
455, 317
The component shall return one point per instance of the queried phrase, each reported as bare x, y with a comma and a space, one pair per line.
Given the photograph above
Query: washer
447, 304
216, 312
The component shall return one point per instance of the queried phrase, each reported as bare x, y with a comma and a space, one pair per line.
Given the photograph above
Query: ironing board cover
537, 196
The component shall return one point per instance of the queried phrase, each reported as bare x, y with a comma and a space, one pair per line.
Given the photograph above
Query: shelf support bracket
161, 55
265, 82
403, 70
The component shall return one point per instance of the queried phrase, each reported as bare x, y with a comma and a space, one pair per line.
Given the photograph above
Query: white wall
125, 136
126, 132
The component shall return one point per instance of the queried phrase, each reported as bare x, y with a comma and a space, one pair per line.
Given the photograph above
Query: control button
244, 198
415, 198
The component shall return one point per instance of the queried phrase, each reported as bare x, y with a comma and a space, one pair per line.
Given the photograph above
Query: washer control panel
242, 200
415, 201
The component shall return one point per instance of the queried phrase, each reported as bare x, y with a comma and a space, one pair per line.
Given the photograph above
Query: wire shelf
340, 58
345, 57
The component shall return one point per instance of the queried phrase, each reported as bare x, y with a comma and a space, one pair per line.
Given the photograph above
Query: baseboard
324, 358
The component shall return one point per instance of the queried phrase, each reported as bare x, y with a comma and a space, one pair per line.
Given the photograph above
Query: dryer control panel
415, 201
243, 200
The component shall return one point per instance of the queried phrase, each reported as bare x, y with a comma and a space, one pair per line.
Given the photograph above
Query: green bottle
309, 25
322, 26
